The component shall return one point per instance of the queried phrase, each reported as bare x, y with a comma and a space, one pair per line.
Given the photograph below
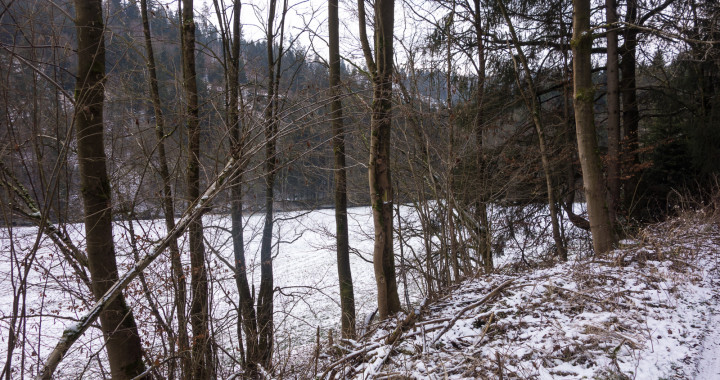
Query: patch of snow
654, 317
708, 366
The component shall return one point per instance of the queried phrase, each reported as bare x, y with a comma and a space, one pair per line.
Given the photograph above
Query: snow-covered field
649, 310
305, 271
650, 318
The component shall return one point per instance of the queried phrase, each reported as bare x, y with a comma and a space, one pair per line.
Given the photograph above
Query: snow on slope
646, 311
654, 316
708, 366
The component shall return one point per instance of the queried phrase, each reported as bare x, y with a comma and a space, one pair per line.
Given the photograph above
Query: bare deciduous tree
381, 192
179, 283
347, 298
117, 321
202, 362
533, 105
272, 119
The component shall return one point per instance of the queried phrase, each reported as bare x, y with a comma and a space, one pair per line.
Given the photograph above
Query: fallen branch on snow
490, 295
349, 357
195, 211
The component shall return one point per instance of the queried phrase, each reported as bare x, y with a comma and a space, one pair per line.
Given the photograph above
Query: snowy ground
650, 318
305, 269
649, 310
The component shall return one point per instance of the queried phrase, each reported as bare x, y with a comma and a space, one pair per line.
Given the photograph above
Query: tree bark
569, 126
613, 109
347, 297
247, 322
201, 352
584, 97
630, 112
179, 283
381, 192
117, 321
265, 296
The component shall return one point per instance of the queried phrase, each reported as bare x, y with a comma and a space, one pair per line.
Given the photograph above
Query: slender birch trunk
484, 233
533, 105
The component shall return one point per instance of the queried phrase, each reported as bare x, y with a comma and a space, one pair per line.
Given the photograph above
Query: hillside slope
648, 310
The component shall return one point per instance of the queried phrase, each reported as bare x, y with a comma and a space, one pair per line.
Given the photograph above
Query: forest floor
648, 310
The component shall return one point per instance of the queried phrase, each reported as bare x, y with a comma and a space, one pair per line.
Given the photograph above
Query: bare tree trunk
613, 109
265, 300
568, 124
484, 234
247, 322
584, 95
453, 250
178, 277
347, 298
265, 296
117, 321
630, 112
533, 105
381, 192
201, 352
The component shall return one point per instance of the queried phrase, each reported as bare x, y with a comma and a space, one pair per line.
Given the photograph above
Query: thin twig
490, 295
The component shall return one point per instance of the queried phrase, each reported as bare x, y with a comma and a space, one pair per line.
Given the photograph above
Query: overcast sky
307, 22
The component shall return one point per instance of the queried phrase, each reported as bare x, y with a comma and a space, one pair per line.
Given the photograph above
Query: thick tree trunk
201, 353
347, 298
630, 112
584, 96
179, 283
117, 321
613, 109
196, 210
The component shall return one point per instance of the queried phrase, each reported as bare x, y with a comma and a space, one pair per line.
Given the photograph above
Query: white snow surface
652, 317
709, 363
305, 279
648, 310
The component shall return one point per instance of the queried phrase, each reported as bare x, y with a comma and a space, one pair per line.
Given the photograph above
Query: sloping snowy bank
648, 310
